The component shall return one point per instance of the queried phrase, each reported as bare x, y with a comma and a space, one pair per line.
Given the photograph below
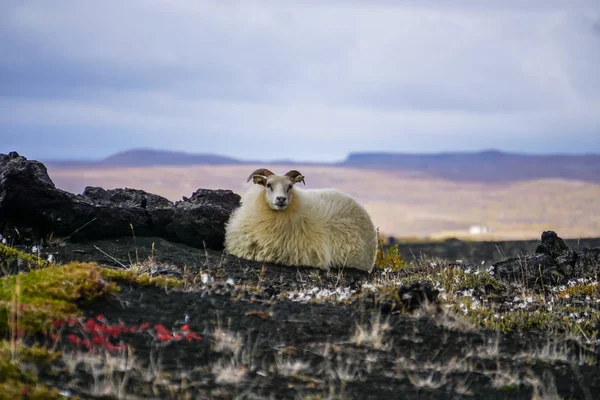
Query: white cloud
352, 75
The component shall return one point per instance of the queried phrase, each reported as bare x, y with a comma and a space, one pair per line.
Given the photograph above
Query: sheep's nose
281, 199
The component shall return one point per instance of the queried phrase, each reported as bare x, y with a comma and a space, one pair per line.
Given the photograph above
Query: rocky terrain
124, 294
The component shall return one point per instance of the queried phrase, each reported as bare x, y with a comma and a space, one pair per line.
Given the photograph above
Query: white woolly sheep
280, 223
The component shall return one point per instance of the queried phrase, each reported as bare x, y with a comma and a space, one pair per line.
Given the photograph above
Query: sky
306, 80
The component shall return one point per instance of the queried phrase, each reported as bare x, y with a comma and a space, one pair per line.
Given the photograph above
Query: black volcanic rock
200, 220
407, 298
553, 263
32, 208
415, 295
551, 244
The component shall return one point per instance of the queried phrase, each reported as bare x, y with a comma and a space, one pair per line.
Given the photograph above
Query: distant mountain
484, 166
487, 166
149, 158
153, 157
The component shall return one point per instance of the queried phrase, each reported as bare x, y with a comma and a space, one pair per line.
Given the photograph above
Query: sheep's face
278, 192
278, 189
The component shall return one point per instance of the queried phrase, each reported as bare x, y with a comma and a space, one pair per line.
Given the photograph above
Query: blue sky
306, 80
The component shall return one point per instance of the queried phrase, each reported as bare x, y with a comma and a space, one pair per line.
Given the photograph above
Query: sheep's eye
289, 188
269, 186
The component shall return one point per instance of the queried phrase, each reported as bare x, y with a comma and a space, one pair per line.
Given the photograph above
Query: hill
486, 166
150, 157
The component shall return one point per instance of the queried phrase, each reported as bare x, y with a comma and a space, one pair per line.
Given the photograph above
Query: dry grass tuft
229, 373
372, 334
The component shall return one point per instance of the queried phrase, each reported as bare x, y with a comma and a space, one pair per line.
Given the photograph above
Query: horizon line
491, 151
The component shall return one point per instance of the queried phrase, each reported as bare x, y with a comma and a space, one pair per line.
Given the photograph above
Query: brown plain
402, 205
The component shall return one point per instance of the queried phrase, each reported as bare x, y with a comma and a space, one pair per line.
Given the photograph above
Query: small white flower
34, 249
368, 286
50, 258
230, 282
206, 278
3, 240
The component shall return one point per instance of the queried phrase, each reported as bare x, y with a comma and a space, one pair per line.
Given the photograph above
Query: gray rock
33, 209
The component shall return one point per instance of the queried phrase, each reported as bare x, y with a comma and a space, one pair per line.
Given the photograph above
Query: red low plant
101, 335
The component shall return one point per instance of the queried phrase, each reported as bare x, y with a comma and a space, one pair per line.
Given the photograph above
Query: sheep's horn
260, 171
295, 176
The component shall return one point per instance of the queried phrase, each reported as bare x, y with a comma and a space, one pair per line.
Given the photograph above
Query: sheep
280, 223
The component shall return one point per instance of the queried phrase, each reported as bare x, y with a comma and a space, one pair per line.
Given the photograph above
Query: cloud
347, 75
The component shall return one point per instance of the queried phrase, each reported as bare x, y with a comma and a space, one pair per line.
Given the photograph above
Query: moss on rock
37, 298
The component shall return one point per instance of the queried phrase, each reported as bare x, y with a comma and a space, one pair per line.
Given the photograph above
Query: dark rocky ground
520, 326
482, 252
270, 331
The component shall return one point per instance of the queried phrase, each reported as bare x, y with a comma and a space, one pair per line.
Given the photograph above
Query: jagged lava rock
554, 263
31, 205
551, 244
202, 217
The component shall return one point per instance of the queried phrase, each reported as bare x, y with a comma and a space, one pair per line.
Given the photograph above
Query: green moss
451, 279
581, 290
42, 296
13, 389
15, 383
516, 320
454, 279
553, 322
143, 279
9, 255
36, 354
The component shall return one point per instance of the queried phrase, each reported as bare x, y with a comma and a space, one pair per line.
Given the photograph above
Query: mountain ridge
480, 166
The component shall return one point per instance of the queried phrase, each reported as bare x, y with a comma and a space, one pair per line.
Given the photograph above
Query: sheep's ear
260, 176
295, 176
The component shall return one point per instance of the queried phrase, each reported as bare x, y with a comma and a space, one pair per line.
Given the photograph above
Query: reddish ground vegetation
97, 334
